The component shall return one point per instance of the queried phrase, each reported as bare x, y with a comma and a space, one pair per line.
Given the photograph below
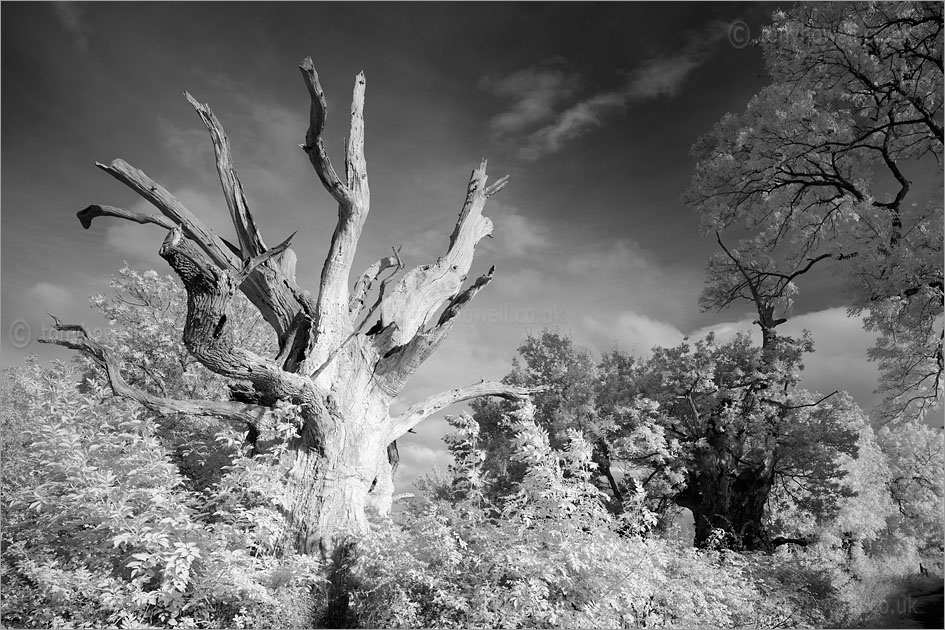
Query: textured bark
340, 363
729, 497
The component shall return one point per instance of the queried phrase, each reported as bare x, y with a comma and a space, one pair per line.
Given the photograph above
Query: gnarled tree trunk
342, 362
730, 481
727, 496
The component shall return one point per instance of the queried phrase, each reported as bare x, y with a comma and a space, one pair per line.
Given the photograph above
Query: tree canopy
820, 170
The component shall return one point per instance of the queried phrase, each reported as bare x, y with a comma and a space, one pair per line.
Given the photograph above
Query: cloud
514, 235
662, 77
536, 95
839, 360
50, 296
69, 15
190, 147
633, 332
623, 277
518, 283
137, 243
623, 256
574, 122
423, 247
418, 459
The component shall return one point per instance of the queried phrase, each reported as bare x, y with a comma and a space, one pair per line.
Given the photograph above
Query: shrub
553, 556
100, 529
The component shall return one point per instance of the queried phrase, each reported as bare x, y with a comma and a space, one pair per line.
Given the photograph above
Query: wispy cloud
624, 256
70, 16
534, 94
537, 95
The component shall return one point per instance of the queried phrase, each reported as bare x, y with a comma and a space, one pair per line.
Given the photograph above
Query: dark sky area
591, 108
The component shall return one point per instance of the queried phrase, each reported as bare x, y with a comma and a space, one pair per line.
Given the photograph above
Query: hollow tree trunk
729, 481
732, 501
727, 490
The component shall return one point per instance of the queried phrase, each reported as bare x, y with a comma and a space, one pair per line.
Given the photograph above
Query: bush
552, 556
100, 529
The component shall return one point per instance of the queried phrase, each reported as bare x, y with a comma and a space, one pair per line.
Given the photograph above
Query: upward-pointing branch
314, 144
354, 199
270, 287
247, 234
423, 289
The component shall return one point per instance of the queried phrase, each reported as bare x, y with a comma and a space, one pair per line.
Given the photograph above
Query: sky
590, 108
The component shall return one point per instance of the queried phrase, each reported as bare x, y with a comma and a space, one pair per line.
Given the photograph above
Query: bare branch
423, 289
254, 415
400, 363
422, 410
366, 280
207, 334
250, 242
88, 214
333, 321
174, 210
250, 264
382, 290
788, 407
314, 145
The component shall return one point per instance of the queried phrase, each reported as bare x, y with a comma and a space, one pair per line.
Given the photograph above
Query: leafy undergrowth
551, 556
102, 528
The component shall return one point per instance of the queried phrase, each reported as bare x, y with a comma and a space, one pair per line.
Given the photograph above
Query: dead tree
342, 361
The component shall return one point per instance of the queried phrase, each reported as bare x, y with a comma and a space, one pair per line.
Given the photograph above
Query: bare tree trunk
343, 357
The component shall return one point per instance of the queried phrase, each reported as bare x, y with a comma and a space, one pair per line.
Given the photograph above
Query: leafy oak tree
340, 358
598, 399
745, 429
819, 170
719, 428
